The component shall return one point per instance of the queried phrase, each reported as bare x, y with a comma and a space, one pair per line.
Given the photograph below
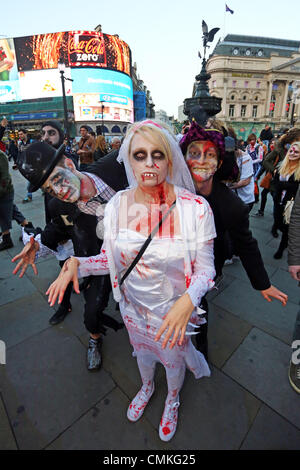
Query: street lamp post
102, 110
62, 68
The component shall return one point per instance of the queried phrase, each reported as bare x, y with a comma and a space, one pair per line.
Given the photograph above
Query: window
243, 110
233, 83
257, 84
116, 130
214, 83
272, 108
256, 98
246, 83
254, 111
244, 97
231, 110
232, 97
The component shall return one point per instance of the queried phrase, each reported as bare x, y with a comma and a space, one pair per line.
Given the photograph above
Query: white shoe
168, 423
138, 404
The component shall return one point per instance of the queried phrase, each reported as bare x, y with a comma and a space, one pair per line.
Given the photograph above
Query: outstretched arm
72, 269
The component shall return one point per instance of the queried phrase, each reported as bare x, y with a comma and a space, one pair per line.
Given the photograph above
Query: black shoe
93, 354
274, 233
6, 242
259, 213
60, 314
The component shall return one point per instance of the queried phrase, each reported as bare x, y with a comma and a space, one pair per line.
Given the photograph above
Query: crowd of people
153, 221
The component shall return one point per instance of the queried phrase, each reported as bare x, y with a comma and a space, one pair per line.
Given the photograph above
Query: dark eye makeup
140, 155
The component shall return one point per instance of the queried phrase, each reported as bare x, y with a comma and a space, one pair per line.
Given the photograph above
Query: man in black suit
76, 211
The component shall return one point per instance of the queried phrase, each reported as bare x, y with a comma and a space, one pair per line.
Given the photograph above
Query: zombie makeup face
50, 135
148, 162
202, 160
63, 183
294, 152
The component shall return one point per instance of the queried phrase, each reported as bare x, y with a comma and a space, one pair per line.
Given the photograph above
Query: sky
164, 35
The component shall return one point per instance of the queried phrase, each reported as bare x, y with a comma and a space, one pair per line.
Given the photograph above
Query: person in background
294, 270
12, 150
286, 179
100, 148
86, 148
273, 159
115, 143
266, 135
255, 151
265, 183
23, 143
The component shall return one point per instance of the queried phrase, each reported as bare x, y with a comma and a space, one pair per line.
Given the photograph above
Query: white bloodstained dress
173, 263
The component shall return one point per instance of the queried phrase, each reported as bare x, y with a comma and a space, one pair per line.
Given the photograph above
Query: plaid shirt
103, 195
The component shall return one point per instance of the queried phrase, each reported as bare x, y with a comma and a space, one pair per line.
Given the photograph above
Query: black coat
68, 222
232, 218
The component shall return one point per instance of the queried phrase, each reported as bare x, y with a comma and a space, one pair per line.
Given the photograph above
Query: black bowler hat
37, 162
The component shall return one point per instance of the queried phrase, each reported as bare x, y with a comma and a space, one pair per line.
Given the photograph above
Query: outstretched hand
26, 257
276, 293
176, 321
67, 274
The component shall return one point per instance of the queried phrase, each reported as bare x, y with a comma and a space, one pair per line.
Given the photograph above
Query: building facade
258, 81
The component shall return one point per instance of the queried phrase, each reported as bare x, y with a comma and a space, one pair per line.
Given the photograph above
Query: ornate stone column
284, 99
268, 99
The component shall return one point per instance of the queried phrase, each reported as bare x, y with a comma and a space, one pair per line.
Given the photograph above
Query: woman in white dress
159, 299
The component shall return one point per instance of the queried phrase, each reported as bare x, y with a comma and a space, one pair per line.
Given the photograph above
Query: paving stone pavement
48, 400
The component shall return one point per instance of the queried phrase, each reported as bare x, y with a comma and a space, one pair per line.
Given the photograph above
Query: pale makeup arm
72, 270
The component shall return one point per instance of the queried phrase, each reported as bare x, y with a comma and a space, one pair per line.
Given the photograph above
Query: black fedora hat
37, 162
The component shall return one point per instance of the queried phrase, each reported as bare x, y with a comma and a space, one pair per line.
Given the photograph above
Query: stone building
258, 80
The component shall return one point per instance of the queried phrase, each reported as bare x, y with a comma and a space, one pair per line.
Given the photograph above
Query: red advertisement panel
76, 48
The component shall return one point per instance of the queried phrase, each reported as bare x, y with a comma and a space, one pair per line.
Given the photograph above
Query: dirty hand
295, 272
26, 257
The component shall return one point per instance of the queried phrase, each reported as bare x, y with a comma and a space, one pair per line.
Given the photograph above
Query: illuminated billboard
76, 48
43, 84
93, 60
102, 94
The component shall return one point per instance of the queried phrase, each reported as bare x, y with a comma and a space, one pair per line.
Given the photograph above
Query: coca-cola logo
91, 46
87, 50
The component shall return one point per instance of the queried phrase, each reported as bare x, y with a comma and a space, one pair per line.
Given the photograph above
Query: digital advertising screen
75, 48
93, 60
43, 84
94, 89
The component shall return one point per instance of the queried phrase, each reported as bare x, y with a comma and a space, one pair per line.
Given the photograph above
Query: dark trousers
201, 341
17, 215
264, 195
96, 295
284, 228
